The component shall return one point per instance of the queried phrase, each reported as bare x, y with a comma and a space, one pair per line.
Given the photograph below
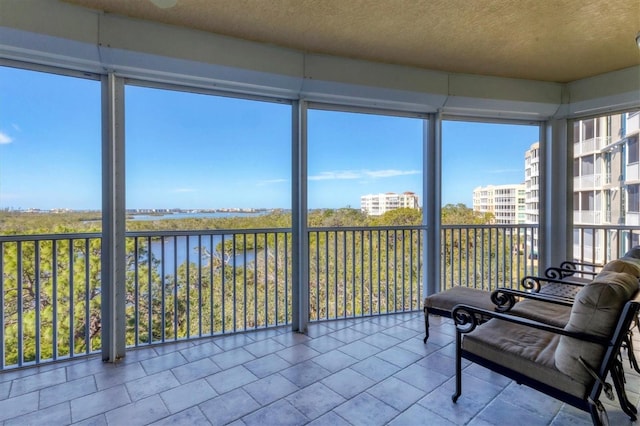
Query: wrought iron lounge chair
569, 363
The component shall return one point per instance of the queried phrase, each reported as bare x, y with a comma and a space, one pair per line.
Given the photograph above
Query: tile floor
368, 371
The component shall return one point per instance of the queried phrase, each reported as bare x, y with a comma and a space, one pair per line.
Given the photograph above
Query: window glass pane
194, 156
50, 185
606, 184
364, 166
490, 197
50, 148
634, 198
200, 171
633, 151
364, 170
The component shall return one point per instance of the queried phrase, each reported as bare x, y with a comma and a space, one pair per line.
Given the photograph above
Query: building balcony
196, 356
590, 146
587, 182
632, 173
587, 217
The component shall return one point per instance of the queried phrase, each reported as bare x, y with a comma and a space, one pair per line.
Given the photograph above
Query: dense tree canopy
212, 283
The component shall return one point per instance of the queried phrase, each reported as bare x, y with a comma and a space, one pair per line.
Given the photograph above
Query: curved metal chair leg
617, 375
426, 325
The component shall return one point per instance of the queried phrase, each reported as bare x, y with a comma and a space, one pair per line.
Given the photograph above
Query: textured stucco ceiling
547, 40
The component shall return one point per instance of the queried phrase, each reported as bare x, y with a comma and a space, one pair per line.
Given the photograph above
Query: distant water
195, 215
177, 250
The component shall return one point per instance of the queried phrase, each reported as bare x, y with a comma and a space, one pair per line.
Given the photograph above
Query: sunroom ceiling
545, 40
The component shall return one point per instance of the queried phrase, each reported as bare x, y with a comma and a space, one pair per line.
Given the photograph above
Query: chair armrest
466, 319
534, 284
505, 298
569, 268
579, 266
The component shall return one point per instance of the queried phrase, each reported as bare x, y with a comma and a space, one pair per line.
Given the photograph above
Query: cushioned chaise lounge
567, 362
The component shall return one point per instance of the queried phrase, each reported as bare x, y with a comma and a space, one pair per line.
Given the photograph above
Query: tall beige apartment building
505, 202
379, 204
606, 184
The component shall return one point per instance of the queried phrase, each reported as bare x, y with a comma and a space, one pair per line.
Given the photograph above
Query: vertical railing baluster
395, 271
266, 284
335, 274
286, 278
149, 297
199, 285
175, 288
234, 281
211, 287
255, 277
317, 235
326, 273
224, 284
277, 277
344, 272
163, 300
404, 261
19, 303
363, 272
36, 266
54, 299
468, 277
188, 283
87, 310
136, 291
353, 274
379, 271
71, 301
244, 275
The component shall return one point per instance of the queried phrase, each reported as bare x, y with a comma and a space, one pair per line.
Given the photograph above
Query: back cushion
629, 265
595, 310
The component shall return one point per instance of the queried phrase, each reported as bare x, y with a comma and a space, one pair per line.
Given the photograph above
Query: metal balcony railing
364, 271
487, 256
49, 298
191, 284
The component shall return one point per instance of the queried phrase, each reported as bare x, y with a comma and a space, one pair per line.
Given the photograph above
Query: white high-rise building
532, 194
606, 182
379, 204
505, 202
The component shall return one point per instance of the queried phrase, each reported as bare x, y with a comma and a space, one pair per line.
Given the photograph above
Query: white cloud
272, 181
362, 174
4, 138
16, 127
390, 173
337, 175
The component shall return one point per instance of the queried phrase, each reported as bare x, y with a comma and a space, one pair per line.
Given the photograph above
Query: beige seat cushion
523, 349
446, 300
545, 312
596, 310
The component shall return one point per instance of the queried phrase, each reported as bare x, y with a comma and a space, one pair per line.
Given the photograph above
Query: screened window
633, 151
633, 192
50, 151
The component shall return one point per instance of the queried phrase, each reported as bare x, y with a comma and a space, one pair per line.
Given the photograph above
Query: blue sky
186, 150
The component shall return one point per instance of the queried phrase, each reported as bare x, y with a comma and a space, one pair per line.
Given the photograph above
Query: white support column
556, 214
431, 184
300, 235
113, 219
